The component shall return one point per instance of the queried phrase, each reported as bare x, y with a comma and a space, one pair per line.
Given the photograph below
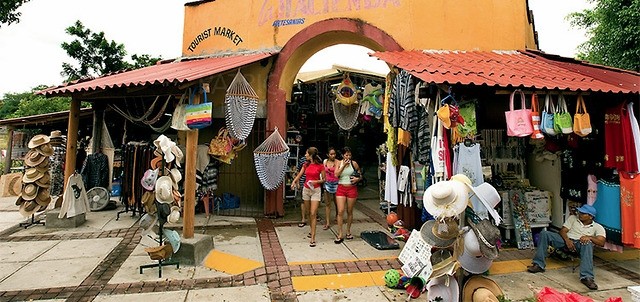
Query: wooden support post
72, 144
190, 179
7, 159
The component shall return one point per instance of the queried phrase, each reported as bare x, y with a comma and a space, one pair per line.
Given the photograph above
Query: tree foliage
8, 13
613, 27
29, 103
97, 56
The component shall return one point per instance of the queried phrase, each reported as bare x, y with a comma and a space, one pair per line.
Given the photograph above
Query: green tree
8, 13
613, 27
96, 55
28, 103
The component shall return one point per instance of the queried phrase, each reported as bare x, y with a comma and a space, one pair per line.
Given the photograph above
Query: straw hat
29, 191
27, 208
55, 134
446, 198
44, 181
174, 216
148, 201
147, 221
177, 152
164, 193
43, 198
44, 164
481, 289
31, 175
45, 149
439, 233
148, 180
488, 237
443, 263
38, 140
472, 259
33, 158
176, 176
437, 287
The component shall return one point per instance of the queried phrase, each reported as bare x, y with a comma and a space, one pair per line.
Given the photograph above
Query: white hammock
241, 104
271, 160
346, 116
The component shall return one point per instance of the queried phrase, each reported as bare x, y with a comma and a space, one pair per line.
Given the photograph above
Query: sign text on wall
295, 9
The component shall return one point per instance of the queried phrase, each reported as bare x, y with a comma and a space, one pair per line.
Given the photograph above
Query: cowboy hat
164, 184
38, 140
174, 216
437, 287
173, 238
33, 158
19, 200
156, 162
472, 259
160, 252
480, 289
43, 197
147, 221
177, 152
445, 230
55, 134
176, 176
148, 201
164, 210
148, 180
27, 208
446, 198
31, 175
29, 191
488, 236
44, 164
165, 145
44, 181
45, 149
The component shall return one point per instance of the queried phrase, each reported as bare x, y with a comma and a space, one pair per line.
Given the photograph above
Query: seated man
577, 234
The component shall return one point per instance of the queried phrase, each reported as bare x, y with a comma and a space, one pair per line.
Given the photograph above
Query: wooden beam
7, 158
72, 144
190, 179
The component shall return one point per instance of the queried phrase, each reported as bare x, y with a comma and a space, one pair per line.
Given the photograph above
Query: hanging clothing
402, 107
422, 136
630, 208
619, 144
75, 201
467, 161
635, 130
56, 169
608, 206
391, 186
96, 171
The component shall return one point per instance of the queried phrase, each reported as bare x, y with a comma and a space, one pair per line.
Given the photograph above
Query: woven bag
220, 145
241, 105
271, 159
535, 118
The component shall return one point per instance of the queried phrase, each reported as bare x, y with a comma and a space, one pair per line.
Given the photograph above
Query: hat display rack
161, 184
36, 179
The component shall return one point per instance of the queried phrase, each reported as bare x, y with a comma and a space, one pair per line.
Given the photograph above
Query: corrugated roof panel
509, 68
170, 73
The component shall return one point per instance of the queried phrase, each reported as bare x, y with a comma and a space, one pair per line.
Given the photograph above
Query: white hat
176, 176
147, 221
438, 288
163, 189
472, 259
446, 198
490, 198
174, 216
164, 144
177, 152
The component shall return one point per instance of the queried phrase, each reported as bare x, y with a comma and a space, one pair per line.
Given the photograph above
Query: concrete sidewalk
253, 260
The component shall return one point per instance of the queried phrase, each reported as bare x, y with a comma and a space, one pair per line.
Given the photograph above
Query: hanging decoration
241, 104
271, 160
346, 92
346, 116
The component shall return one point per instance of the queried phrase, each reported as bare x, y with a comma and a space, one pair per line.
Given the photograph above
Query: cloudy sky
30, 52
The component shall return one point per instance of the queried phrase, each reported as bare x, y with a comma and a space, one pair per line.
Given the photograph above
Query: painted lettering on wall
199, 38
295, 9
228, 33
278, 23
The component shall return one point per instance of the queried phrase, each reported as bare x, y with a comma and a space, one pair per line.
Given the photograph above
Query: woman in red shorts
313, 170
348, 173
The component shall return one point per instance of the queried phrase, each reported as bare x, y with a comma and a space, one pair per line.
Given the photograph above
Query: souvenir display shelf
292, 164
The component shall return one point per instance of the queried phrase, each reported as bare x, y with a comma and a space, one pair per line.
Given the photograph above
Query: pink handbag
518, 121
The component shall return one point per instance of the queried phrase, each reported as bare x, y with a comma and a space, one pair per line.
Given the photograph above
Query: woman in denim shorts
348, 173
330, 185
313, 170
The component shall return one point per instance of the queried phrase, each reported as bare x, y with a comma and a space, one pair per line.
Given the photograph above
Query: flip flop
349, 237
302, 224
312, 244
309, 235
326, 227
338, 241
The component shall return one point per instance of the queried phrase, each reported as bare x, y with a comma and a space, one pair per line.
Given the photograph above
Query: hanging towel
391, 186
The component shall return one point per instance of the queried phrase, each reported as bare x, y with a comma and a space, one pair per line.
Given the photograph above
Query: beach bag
518, 121
546, 122
562, 121
178, 118
581, 120
241, 105
221, 144
198, 116
535, 118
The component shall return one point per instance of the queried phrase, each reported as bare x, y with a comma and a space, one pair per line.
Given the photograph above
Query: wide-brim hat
176, 176
165, 144
149, 178
156, 162
164, 209
479, 282
488, 237
475, 263
147, 221
44, 164
164, 186
29, 191
426, 232
177, 152
44, 181
443, 263
32, 175
38, 140
173, 238
149, 202
437, 287
446, 198
487, 194
174, 216
45, 149
33, 158
43, 198
55, 134
28, 208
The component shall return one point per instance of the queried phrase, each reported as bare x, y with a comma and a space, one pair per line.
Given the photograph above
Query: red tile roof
509, 69
169, 73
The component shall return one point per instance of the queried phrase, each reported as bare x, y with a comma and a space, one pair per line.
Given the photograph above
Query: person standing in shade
348, 173
330, 185
314, 173
579, 234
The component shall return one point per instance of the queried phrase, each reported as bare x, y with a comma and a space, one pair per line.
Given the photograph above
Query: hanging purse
518, 121
535, 118
178, 118
581, 120
562, 122
198, 116
221, 144
546, 123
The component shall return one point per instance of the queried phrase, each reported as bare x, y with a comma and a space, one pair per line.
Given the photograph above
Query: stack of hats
36, 179
57, 138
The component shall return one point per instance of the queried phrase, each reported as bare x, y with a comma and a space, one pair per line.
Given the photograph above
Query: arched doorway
291, 58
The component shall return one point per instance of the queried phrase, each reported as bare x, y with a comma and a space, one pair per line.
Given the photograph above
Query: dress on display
630, 208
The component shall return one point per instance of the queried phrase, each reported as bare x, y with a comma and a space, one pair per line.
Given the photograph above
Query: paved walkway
253, 260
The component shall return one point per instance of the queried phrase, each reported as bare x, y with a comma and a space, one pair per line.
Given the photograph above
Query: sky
30, 52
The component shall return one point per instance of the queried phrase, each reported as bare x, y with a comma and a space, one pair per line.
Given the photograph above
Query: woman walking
348, 173
313, 170
330, 185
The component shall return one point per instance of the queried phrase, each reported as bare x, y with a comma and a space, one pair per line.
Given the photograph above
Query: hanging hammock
271, 160
241, 103
346, 116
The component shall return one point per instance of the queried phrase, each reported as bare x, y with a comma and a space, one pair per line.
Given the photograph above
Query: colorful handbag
518, 121
546, 122
562, 121
535, 118
581, 120
198, 116
221, 145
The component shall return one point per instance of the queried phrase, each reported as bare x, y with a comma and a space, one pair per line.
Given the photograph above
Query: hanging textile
56, 169
322, 98
608, 208
409, 214
619, 144
96, 171
271, 159
468, 162
402, 107
241, 105
391, 185
75, 200
422, 134
346, 116
635, 130
630, 208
